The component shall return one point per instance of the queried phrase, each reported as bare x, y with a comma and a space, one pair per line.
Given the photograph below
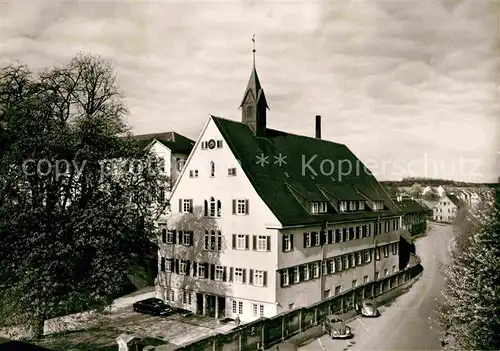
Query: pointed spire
253, 87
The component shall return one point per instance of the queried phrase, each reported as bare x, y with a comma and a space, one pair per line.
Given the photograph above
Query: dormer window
352, 205
343, 206
378, 205
318, 207
361, 205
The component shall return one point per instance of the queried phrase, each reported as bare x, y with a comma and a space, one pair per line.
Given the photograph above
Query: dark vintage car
153, 306
367, 309
335, 327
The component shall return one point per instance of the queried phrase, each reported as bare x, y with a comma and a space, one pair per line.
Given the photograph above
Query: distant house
426, 190
440, 190
415, 214
445, 210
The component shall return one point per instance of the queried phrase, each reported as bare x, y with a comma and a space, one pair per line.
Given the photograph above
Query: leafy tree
432, 194
470, 310
72, 219
415, 190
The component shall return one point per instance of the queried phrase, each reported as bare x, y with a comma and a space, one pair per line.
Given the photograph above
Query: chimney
318, 127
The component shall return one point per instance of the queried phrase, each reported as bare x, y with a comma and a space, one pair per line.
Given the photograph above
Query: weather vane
253, 51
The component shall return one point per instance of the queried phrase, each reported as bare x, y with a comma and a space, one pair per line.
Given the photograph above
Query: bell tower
254, 105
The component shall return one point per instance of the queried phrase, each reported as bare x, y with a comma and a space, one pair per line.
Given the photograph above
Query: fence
266, 332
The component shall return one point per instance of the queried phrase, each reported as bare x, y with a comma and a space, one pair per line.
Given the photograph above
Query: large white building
288, 232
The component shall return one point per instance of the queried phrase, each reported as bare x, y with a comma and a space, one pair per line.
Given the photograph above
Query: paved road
408, 323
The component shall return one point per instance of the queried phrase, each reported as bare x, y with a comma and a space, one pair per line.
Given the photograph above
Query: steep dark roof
254, 88
411, 206
282, 188
174, 141
453, 198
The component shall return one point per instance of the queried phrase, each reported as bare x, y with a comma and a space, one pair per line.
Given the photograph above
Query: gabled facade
441, 190
415, 215
288, 234
445, 210
173, 149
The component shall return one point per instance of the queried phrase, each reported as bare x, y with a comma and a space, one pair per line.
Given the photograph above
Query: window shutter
171, 263
195, 269
207, 271
191, 238
265, 278
330, 236
190, 205
174, 236
247, 242
188, 267
162, 267
224, 275
283, 247
291, 241
268, 243
244, 276
254, 242
179, 240
246, 207
212, 271
180, 205
164, 236
234, 241
301, 273
313, 239
281, 279
234, 206
231, 273
250, 278
304, 239
177, 265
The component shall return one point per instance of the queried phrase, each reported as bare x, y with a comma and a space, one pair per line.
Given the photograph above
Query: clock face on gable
211, 144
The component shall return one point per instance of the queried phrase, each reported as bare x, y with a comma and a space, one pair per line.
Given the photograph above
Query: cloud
390, 78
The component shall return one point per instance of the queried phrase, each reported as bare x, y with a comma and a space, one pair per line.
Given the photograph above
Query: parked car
335, 327
153, 306
367, 309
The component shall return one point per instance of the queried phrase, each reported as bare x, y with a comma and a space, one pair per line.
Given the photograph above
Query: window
287, 242
162, 264
235, 307
307, 274
231, 172
351, 233
284, 277
352, 260
187, 205
186, 297
359, 258
385, 272
323, 207
168, 264
187, 237
241, 242
179, 164
343, 206
344, 234
345, 262
238, 275
219, 144
394, 269
352, 205
201, 270
361, 205
240, 307
377, 253
338, 289
213, 241
317, 238
386, 251
354, 283
262, 243
324, 267
261, 311
258, 310
258, 278
314, 207
331, 263
291, 306
358, 232
241, 207
193, 173
164, 235
326, 294
212, 169
307, 239
182, 267
367, 257
219, 272
395, 248
377, 274
338, 236
296, 275
365, 279
318, 207
315, 269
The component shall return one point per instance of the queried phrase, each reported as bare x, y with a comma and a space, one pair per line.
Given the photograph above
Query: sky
411, 87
